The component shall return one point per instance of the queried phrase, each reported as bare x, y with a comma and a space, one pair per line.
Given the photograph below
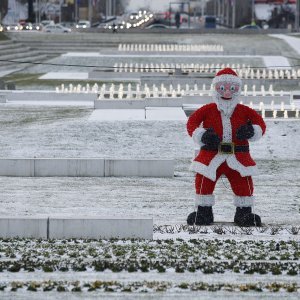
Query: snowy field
207, 263
43, 131
67, 132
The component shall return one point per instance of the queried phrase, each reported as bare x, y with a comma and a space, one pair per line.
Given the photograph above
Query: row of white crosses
166, 68
251, 73
170, 48
139, 92
283, 107
244, 72
73, 88
161, 91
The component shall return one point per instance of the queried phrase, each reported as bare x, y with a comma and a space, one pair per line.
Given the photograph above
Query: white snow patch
276, 62
82, 54
65, 75
292, 41
117, 114
165, 113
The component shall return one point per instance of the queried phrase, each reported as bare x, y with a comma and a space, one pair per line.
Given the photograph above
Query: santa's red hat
227, 75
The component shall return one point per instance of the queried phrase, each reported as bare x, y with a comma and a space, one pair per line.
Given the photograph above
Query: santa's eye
232, 88
222, 88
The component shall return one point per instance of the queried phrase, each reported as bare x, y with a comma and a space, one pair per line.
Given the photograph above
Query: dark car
249, 26
157, 26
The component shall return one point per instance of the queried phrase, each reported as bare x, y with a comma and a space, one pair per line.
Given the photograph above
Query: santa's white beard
226, 106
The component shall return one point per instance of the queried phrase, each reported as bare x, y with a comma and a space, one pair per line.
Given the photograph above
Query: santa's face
227, 90
226, 96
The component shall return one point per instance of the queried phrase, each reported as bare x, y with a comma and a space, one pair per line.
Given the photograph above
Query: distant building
3, 9
231, 13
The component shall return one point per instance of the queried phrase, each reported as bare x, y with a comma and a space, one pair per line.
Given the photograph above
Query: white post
297, 16
233, 3
60, 3
76, 11
36, 10
90, 10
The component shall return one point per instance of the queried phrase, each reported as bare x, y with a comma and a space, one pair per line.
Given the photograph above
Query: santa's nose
227, 94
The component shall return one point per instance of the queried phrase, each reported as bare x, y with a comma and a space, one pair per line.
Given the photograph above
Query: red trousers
241, 186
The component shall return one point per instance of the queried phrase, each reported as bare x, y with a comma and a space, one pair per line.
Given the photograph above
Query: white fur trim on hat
204, 200
228, 78
244, 201
257, 133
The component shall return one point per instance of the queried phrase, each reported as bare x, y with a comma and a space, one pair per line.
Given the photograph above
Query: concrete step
4, 71
37, 58
6, 42
66, 42
28, 56
14, 51
86, 167
66, 49
7, 46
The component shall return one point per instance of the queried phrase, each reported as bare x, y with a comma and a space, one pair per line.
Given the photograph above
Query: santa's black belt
227, 148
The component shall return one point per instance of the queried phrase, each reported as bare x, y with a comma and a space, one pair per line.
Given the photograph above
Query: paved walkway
65, 75
292, 41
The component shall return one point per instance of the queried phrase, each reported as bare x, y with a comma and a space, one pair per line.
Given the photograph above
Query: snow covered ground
68, 132
49, 131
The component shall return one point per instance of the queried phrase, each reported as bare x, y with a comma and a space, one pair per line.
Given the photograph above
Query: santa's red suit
232, 157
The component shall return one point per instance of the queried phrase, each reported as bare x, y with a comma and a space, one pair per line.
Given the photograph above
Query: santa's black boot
203, 216
245, 217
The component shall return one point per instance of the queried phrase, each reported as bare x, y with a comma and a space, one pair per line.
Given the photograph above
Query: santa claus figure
223, 130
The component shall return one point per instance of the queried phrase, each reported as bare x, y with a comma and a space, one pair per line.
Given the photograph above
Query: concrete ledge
90, 167
119, 104
89, 228
180, 101
141, 168
69, 167
3, 98
23, 227
95, 74
17, 167
100, 228
24, 95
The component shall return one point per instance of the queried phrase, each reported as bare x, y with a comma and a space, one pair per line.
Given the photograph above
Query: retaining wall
180, 101
60, 228
85, 167
3, 98
23, 95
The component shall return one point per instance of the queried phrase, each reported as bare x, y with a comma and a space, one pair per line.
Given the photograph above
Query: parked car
14, 27
47, 22
30, 26
157, 26
208, 21
250, 26
1, 28
83, 24
68, 24
56, 28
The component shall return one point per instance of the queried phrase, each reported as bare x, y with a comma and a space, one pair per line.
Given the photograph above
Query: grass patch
3, 37
249, 257
145, 286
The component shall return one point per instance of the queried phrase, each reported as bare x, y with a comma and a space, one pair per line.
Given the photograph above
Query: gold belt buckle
224, 151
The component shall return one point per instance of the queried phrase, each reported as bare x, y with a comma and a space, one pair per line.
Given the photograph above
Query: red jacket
208, 116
